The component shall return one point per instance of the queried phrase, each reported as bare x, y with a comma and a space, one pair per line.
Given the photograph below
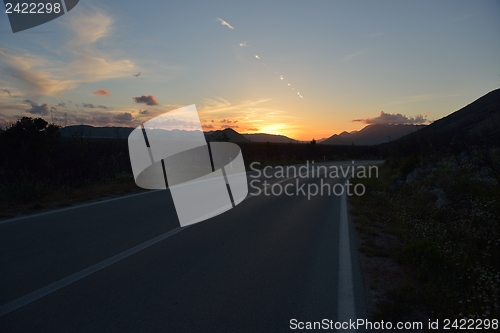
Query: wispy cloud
256, 56
35, 75
89, 26
393, 118
225, 23
228, 121
250, 114
243, 44
93, 106
230, 126
376, 34
351, 56
207, 126
102, 92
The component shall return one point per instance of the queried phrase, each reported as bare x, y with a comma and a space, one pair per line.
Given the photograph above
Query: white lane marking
75, 207
346, 307
15, 219
42, 292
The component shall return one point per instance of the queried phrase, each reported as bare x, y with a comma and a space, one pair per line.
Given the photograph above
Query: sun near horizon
307, 70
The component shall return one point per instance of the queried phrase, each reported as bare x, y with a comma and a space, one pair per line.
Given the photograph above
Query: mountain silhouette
371, 135
263, 137
230, 134
481, 117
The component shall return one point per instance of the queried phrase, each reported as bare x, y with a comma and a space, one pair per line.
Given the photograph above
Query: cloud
393, 118
256, 56
6, 120
36, 75
125, 117
253, 129
300, 95
13, 108
243, 44
225, 23
147, 99
207, 126
229, 126
143, 111
349, 57
176, 124
93, 106
95, 120
376, 34
102, 92
250, 113
88, 27
38, 109
62, 104
228, 121
8, 92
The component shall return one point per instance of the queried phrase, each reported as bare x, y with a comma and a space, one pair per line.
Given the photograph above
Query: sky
305, 69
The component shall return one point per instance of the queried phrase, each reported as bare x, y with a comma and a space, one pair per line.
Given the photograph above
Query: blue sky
344, 61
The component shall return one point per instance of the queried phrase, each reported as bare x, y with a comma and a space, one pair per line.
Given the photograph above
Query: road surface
125, 265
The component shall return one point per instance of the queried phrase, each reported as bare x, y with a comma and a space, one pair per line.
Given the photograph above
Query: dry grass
420, 261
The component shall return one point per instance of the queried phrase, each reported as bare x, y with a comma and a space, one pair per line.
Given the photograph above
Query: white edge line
346, 306
44, 291
15, 219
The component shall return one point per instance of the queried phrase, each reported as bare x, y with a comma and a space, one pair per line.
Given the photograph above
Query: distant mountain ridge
372, 135
225, 134
264, 137
89, 131
478, 117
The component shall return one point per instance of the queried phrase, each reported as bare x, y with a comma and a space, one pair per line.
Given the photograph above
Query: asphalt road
254, 268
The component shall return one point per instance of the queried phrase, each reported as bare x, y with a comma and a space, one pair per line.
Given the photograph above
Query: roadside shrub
423, 253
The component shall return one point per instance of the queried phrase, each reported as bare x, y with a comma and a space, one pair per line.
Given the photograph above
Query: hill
263, 137
479, 117
231, 135
88, 131
371, 135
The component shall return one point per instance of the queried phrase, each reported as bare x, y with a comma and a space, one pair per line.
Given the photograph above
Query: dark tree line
35, 160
